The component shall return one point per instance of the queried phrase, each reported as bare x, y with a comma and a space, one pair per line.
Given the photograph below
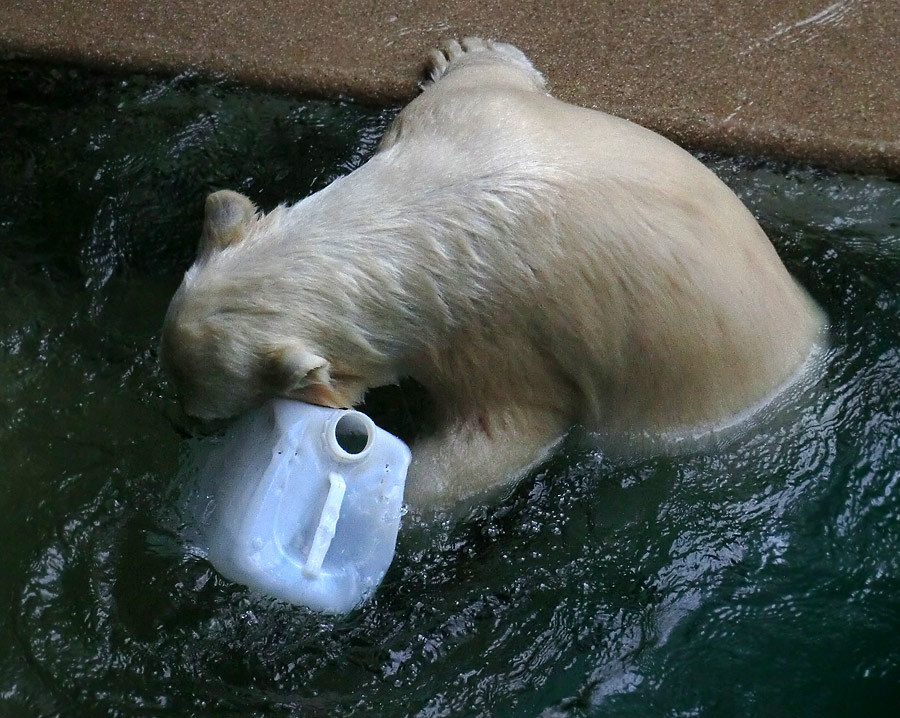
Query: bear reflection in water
532, 264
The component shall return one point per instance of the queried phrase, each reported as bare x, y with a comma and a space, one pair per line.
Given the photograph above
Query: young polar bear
532, 264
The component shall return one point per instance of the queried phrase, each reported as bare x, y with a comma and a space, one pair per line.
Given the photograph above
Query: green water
758, 579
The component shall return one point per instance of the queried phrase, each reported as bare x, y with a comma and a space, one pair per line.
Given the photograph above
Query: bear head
225, 347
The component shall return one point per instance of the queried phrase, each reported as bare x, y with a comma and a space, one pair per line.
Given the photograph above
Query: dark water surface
761, 578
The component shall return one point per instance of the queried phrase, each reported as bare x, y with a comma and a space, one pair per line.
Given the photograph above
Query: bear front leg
470, 455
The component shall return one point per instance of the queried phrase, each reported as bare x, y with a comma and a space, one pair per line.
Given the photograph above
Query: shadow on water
757, 579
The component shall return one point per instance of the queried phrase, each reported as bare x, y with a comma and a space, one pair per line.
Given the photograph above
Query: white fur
533, 264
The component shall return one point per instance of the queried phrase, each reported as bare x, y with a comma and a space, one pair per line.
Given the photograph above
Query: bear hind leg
452, 55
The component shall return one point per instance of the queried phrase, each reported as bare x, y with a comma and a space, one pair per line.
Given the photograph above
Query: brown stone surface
815, 80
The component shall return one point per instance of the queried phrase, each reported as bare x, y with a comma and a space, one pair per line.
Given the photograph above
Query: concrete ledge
809, 80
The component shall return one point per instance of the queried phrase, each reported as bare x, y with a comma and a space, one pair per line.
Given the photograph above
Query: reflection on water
760, 578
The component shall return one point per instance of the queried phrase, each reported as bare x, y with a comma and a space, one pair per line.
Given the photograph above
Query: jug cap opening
349, 436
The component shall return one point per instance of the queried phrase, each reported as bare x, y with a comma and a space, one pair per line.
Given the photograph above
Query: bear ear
300, 374
228, 216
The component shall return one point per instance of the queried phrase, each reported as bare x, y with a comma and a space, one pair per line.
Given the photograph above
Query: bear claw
440, 59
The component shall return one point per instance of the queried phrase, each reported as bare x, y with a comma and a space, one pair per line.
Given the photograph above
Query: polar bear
533, 264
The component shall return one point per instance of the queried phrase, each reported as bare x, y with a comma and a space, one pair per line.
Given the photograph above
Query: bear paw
441, 60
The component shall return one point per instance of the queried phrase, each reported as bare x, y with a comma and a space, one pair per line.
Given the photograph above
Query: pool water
760, 577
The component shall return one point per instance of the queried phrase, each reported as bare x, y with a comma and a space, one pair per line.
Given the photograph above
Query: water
761, 578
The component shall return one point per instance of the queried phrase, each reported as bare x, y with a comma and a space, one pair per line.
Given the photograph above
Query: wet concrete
812, 80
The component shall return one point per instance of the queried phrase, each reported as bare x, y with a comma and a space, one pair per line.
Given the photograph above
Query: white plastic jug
304, 503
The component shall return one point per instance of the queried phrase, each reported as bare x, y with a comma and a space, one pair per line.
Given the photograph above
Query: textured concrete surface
815, 80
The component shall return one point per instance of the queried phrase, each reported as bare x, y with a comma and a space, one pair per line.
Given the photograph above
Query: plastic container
304, 503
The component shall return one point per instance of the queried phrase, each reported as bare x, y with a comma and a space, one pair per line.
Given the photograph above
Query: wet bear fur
532, 264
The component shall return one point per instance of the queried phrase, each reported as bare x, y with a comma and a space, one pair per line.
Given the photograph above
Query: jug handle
331, 510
